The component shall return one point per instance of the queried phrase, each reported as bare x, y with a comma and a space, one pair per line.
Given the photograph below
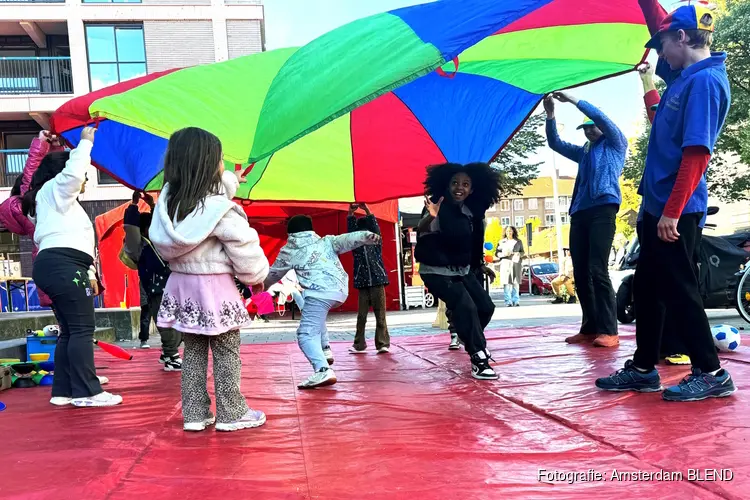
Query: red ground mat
411, 424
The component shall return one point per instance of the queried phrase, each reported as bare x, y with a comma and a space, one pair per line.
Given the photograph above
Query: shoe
163, 358
198, 426
384, 350
580, 338
558, 300
698, 386
454, 345
173, 364
144, 345
329, 355
607, 341
253, 418
60, 401
354, 350
102, 380
480, 367
677, 359
631, 379
321, 378
101, 399
508, 305
516, 305
572, 300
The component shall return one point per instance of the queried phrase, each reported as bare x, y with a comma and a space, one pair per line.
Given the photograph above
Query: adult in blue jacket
593, 209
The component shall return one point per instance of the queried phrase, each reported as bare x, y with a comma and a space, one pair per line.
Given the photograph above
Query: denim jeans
312, 333
511, 294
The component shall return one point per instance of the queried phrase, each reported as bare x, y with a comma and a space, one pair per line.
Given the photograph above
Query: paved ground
534, 311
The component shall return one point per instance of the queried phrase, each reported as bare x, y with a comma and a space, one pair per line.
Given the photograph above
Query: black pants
146, 314
470, 306
62, 274
591, 234
666, 280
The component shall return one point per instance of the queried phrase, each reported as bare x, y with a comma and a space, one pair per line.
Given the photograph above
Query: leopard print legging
196, 404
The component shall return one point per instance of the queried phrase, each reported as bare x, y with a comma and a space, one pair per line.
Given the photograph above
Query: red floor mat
411, 424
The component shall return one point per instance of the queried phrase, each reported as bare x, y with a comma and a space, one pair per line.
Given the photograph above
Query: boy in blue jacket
593, 209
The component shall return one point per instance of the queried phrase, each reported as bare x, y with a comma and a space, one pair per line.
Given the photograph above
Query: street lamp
555, 195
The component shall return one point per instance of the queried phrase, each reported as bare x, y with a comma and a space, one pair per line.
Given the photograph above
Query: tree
513, 161
728, 174
631, 200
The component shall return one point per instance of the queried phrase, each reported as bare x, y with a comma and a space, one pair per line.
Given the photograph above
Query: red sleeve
694, 163
654, 14
651, 98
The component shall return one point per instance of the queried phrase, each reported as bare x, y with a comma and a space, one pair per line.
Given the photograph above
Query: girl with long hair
510, 253
450, 241
64, 270
207, 241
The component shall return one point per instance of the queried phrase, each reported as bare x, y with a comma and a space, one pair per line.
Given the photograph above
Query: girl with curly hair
450, 240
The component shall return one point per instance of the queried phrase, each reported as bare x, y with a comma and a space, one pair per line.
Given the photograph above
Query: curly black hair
485, 183
51, 165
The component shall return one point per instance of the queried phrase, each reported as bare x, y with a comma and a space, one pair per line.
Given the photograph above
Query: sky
291, 23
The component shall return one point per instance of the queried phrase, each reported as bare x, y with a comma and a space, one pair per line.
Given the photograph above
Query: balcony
35, 75
12, 162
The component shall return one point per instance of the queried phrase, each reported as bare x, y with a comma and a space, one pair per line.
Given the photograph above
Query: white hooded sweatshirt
212, 239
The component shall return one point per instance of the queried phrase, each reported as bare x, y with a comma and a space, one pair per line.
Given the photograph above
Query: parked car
542, 274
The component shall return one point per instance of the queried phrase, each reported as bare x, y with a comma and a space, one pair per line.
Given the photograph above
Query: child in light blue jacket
316, 262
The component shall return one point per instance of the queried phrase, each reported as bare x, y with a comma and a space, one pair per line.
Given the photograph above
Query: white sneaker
102, 379
454, 345
384, 350
329, 355
253, 418
101, 399
61, 401
198, 426
353, 350
144, 345
320, 378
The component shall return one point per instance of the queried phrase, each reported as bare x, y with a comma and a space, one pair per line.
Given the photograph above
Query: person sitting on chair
565, 278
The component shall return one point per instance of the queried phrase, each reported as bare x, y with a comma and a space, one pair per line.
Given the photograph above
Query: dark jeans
146, 314
372, 297
666, 280
62, 274
470, 306
591, 234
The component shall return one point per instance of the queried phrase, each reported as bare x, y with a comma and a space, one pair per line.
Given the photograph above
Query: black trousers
666, 281
470, 306
591, 234
62, 274
146, 314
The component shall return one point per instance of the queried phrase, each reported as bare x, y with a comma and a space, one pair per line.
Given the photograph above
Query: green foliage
513, 161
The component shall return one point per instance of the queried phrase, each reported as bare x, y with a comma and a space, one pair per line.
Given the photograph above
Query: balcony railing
35, 75
12, 162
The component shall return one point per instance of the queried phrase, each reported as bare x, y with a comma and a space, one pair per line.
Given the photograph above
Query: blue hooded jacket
600, 164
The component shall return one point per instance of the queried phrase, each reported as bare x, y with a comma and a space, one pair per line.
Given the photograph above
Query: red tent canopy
269, 219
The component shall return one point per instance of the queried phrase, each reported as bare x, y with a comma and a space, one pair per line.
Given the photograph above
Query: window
505, 205
505, 221
533, 204
105, 178
549, 203
564, 219
518, 204
563, 201
116, 53
549, 220
519, 221
111, 1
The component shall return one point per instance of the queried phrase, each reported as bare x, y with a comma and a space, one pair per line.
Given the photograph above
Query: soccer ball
726, 337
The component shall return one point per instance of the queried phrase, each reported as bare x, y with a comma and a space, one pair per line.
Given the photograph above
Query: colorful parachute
366, 124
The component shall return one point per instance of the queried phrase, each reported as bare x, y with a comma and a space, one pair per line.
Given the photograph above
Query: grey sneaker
144, 345
253, 418
321, 378
454, 345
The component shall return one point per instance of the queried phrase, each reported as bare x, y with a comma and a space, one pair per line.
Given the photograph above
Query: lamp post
555, 195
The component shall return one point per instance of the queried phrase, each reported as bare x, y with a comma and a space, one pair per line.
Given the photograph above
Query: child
207, 241
450, 244
675, 200
64, 269
153, 273
325, 283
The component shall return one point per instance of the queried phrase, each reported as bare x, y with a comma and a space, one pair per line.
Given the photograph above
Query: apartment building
535, 201
54, 50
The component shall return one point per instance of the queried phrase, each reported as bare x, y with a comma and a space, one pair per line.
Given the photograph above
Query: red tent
269, 219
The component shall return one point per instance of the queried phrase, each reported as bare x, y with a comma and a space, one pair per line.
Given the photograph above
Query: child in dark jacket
153, 273
370, 278
449, 240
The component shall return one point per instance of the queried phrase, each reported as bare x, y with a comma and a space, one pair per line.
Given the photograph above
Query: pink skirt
206, 304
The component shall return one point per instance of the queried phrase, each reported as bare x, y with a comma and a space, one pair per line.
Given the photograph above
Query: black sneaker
173, 364
163, 358
480, 367
454, 345
557, 300
572, 300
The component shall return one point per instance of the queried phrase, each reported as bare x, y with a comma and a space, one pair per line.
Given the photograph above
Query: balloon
488, 246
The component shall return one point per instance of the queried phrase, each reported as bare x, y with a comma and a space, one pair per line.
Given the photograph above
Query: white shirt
61, 222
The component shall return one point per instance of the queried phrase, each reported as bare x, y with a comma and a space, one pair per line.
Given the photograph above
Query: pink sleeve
37, 151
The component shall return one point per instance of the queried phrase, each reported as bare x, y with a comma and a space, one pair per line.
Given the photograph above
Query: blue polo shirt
692, 112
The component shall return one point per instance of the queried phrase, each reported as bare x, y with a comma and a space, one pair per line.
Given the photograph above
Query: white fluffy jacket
213, 239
